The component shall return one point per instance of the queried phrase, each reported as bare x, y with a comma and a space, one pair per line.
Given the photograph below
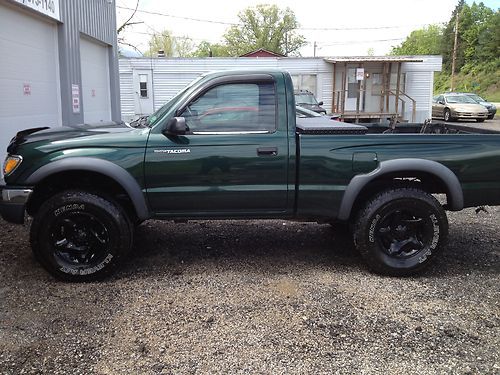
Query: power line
360, 42
173, 36
299, 28
179, 17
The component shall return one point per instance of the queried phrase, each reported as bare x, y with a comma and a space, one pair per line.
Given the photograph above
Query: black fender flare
105, 167
454, 189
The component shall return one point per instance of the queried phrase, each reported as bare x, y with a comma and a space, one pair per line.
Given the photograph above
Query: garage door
29, 78
95, 81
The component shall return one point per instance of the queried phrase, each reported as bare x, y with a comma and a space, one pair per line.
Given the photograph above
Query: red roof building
261, 52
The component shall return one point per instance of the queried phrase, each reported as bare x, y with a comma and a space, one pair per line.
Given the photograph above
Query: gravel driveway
255, 297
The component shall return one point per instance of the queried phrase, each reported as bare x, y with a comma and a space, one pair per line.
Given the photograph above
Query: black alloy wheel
80, 236
400, 231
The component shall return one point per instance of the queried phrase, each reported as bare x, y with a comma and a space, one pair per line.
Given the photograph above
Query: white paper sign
75, 96
360, 74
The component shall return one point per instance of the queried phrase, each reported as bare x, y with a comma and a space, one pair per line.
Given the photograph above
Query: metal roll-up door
95, 81
29, 73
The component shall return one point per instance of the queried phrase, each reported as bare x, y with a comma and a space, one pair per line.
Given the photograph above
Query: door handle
267, 151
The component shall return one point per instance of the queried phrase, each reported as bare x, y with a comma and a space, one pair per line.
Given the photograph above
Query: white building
58, 65
359, 88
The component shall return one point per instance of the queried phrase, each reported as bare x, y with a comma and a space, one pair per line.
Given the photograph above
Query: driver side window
234, 107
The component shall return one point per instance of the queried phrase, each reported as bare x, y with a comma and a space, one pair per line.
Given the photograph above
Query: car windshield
459, 99
475, 97
305, 99
153, 119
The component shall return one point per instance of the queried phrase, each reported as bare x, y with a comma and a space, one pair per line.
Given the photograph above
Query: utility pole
315, 45
454, 58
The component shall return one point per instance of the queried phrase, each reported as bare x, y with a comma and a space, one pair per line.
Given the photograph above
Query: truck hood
465, 107
58, 134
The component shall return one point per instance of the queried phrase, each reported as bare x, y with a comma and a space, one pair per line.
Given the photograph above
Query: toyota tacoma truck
230, 146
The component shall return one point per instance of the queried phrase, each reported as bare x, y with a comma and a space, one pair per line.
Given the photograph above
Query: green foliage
265, 26
426, 41
477, 65
172, 46
206, 49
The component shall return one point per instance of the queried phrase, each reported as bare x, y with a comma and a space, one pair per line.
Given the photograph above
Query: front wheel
79, 236
400, 231
447, 115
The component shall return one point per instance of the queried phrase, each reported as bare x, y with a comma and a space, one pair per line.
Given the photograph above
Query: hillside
477, 58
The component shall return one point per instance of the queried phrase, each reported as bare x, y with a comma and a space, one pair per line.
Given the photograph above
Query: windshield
459, 99
153, 119
305, 99
477, 98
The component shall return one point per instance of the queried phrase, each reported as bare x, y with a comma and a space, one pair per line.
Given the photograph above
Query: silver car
452, 107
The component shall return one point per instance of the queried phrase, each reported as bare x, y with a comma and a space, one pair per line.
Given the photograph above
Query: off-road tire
400, 231
80, 236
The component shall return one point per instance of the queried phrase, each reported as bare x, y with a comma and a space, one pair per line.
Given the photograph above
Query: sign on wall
75, 98
48, 7
360, 74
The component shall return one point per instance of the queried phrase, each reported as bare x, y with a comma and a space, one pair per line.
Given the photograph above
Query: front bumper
470, 115
13, 203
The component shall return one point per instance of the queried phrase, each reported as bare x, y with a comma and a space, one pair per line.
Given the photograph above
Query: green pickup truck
231, 146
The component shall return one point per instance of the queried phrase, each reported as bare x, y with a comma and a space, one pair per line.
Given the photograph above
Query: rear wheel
400, 231
79, 236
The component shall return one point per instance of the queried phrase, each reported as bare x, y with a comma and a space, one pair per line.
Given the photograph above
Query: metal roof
361, 59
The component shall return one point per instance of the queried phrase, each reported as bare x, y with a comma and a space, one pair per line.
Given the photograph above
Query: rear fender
450, 180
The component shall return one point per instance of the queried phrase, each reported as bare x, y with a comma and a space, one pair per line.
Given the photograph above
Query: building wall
170, 75
95, 20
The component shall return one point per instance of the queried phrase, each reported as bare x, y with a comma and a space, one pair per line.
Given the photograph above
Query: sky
339, 28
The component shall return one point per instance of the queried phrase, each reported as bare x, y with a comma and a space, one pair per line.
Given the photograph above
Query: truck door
233, 160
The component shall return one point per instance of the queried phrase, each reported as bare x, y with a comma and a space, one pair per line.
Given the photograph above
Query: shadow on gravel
255, 246
470, 250
276, 247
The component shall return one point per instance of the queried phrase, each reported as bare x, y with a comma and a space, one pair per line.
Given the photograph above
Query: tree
125, 24
448, 39
206, 49
265, 26
172, 46
426, 41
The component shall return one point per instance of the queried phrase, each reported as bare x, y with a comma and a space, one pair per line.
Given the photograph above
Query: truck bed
324, 125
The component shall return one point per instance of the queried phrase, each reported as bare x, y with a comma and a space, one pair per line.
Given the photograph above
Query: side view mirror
176, 126
320, 103
441, 102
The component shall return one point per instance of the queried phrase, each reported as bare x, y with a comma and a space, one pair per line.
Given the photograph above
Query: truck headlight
11, 163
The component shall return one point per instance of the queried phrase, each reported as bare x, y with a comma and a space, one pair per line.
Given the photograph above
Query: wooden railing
341, 96
413, 101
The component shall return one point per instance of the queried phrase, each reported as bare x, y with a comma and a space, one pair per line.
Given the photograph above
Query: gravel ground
255, 297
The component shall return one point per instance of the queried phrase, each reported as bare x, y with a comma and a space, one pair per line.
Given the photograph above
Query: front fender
454, 189
105, 167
